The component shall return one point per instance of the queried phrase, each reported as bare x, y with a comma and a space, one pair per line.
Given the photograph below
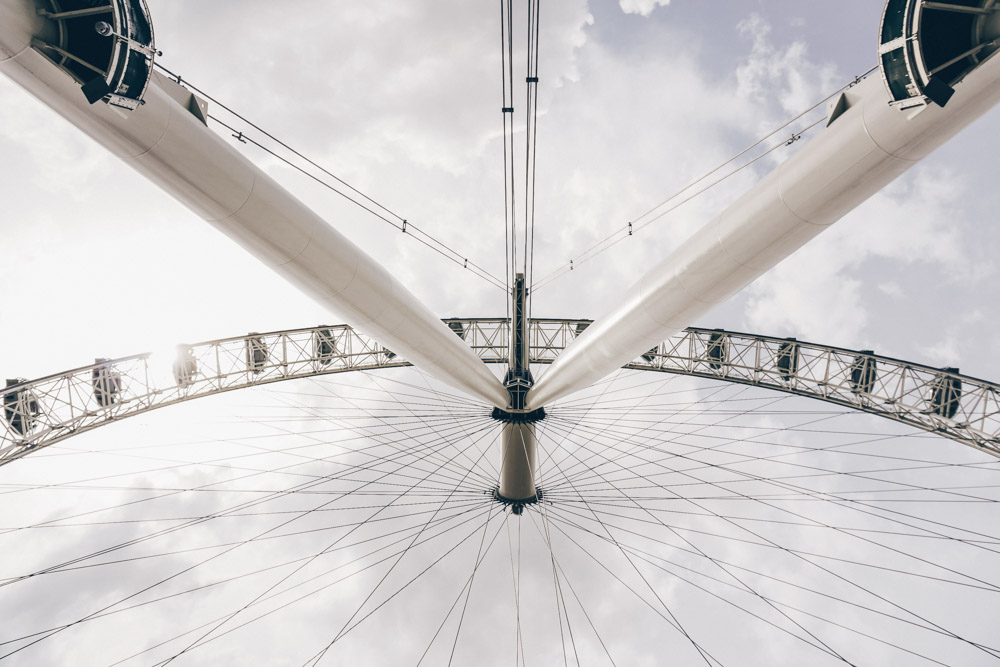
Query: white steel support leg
517, 471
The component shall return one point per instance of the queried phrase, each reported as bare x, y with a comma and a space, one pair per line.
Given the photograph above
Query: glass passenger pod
20, 408
787, 360
864, 373
185, 367
107, 383
107, 46
324, 346
716, 352
926, 47
946, 394
256, 353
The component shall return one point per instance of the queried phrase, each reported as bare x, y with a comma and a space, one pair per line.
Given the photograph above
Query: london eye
512, 485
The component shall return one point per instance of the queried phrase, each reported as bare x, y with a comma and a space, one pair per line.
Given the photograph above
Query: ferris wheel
511, 490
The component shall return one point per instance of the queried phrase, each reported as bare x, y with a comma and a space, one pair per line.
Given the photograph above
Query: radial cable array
355, 196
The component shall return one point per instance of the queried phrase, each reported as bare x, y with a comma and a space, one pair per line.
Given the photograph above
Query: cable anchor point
238, 137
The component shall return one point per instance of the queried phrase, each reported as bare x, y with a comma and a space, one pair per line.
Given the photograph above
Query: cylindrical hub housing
517, 471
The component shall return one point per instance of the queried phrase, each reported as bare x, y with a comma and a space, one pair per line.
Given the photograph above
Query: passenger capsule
256, 353
946, 394
108, 47
107, 383
864, 372
324, 346
20, 408
185, 367
716, 351
787, 360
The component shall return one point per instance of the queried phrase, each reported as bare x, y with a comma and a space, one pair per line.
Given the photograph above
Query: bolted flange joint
517, 506
518, 416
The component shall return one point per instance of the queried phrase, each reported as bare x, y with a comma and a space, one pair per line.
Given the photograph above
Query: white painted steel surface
166, 142
860, 152
39, 413
517, 469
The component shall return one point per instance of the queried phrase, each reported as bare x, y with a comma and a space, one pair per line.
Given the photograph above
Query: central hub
516, 505
512, 416
517, 468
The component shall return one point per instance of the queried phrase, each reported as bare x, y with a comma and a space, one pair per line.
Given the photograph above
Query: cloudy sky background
637, 99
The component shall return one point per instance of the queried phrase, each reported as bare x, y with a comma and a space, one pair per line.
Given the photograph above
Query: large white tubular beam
862, 150
166, 141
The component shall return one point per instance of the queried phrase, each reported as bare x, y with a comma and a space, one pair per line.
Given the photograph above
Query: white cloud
820, 292
784, 75
891, 289
641, 7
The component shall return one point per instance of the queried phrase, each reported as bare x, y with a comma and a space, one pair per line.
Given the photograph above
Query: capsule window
946, 394
20, 409
864, 372
324, 346
716, 350
256, 354
787, 360
106, 47
107, 383
185, 367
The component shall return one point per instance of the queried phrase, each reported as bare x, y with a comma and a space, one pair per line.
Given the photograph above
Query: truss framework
41, 412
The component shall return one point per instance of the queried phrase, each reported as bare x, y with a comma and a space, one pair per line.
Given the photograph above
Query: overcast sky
402, 100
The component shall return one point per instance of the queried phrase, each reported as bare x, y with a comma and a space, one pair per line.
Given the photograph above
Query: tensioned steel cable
807, 560
531, 145
631, 435
507, 112
310, 593
350, 624
654, 213
188, 569
612, 483
629, 432
812, 470
652, 559
671, 617
579, 603
373, 207
592, 508
201, 639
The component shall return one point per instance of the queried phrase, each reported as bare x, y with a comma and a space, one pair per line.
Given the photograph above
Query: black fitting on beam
518, 417
517, 506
